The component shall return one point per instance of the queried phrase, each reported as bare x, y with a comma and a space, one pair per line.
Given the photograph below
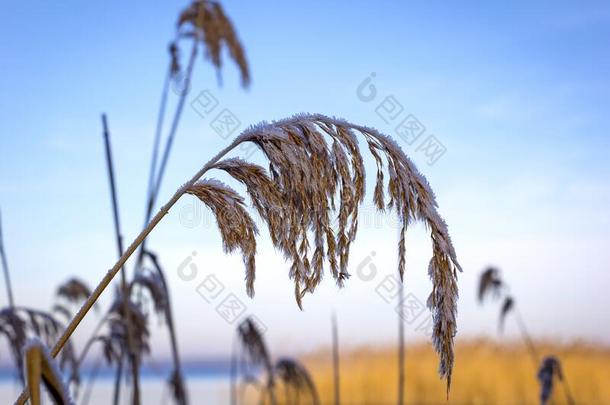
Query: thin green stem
86, 307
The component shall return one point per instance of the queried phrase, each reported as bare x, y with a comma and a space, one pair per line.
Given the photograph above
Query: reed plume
309, 180
490, 283
13, 328
73, 291
316, 170
254, 355
205, 22
20, 323
550, 368
297, 382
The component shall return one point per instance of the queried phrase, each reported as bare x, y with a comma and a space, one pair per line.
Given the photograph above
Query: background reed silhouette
492, 285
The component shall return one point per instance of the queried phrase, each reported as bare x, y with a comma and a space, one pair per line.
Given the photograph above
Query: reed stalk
401, 345
336, 376
133, 361
5, 269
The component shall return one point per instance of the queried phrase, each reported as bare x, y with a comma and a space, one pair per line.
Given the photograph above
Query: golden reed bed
485, 373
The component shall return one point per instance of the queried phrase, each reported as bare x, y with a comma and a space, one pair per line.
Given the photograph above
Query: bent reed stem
82, 312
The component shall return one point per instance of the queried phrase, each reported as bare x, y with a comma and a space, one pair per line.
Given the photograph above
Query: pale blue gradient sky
518, 94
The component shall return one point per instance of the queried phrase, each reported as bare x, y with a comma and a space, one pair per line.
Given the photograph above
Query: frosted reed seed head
490, 283
41, 368
550, 368
236, 227
309, 198
206, 22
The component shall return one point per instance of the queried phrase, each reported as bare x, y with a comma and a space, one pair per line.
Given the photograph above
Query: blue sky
517, 94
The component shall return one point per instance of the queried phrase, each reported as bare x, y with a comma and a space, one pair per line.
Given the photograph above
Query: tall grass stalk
336, 376
184, 90
401, 345
158, 177
527, 338
157, 141
133, 361
5, 270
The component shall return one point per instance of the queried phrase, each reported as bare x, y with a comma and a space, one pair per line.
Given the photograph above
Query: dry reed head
41, 368
74, 291
13, 327
19, 323
138, 322
253, 345
152, 283
550, 368
316, 173
237, 228
490, 283
297, 381
206, 22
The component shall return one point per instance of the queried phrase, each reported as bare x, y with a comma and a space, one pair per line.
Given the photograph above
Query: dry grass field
485, 373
